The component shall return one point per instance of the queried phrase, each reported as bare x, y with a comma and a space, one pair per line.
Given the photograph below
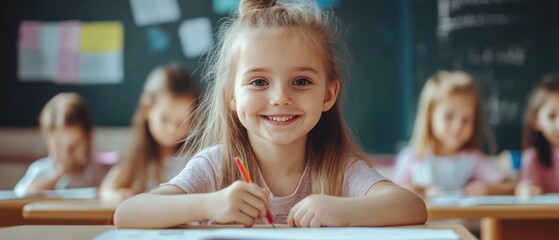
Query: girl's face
68, 146
453, 122
547, 119
168, 119
280, 88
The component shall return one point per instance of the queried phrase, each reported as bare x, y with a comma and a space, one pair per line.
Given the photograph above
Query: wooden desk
89, 232
11, 209
506, 221
81, 212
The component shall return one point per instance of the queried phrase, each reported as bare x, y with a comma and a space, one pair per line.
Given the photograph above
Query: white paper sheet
8, 195
70, 193
101, 67
285, 233
460, 200
148, 12
196, 36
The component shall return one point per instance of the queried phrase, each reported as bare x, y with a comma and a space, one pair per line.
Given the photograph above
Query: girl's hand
240, 202
526, 189
124, 193
116, 195
318, 211
477, 188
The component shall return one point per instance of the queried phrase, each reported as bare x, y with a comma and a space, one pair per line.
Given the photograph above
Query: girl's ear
233, 105
331, 95
534, 125
144, 107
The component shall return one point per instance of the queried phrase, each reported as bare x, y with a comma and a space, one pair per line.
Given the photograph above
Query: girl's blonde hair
329, 143
435, 90
68, 110
166, 80
531, 137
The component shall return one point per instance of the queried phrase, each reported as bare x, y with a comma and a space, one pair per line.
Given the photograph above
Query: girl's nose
556, 124
457, 126
279, 97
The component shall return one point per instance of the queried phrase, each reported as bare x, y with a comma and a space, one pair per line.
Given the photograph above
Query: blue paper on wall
228, 6
328, 3
225, 6
158, 39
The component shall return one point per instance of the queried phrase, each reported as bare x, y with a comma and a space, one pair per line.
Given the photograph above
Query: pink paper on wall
68, 66
30, 35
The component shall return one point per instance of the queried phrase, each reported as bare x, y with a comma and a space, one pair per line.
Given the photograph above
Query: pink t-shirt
533, 172
202, 174
481, 169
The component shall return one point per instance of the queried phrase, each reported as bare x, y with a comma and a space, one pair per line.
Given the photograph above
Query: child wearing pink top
445, 147
446, 173
201, 176
540, 159
273, 102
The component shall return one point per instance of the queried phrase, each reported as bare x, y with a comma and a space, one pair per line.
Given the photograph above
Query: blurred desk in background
11, 205
82, 212
506, 221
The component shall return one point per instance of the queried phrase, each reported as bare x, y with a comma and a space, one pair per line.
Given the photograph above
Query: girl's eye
552, 116
164, 119
259, 82
301, 82
448, 116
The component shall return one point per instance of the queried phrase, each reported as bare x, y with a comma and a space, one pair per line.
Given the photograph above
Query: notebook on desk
70, 193
460, 200
285, 233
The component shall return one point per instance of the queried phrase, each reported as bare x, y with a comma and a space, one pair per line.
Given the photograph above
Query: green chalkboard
507, 45
372, 101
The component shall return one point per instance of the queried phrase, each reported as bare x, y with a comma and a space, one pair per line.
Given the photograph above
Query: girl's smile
281, 119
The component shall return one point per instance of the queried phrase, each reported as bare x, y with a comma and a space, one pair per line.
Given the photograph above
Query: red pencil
246, 178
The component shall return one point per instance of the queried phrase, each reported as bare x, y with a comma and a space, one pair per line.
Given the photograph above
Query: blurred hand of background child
477, 188
526, 189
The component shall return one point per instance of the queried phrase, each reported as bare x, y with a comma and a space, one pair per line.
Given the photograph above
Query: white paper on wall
149, 12
196, 36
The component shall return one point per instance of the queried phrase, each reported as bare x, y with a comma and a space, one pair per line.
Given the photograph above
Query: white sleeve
402, 167
36, 170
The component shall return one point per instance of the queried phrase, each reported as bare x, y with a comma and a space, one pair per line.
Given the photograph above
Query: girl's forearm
504, 188
47, 183
161, 211
386, 207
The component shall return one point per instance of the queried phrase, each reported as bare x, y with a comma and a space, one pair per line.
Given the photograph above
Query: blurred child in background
160, 123
445, 150
540, 141
67, 128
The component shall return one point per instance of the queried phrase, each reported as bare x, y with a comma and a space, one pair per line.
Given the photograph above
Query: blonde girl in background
445, 148
67, 128
273, 102
540, 141
160, 123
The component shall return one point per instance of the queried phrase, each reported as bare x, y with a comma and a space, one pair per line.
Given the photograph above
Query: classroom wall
373, 36
394, 45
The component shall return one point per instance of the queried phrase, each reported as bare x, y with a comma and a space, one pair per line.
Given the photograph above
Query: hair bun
248, 5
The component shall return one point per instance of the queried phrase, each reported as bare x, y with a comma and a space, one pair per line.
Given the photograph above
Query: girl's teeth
281, 119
